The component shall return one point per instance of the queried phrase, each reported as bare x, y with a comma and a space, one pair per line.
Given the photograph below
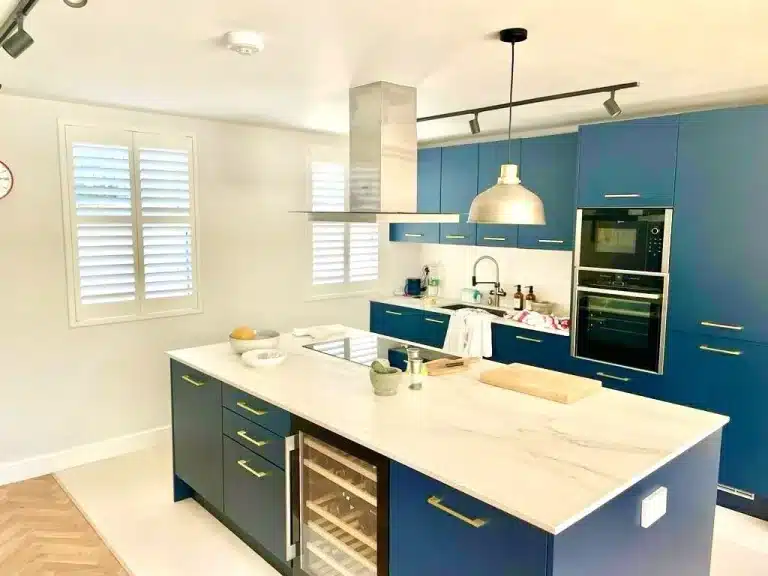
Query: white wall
61, 387
549, 271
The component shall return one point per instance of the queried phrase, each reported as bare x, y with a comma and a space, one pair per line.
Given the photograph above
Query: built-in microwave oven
627, 239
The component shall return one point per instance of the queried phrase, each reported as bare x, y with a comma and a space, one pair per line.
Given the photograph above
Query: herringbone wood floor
43, 533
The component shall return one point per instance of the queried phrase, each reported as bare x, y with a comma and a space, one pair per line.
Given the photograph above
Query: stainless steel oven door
620, 327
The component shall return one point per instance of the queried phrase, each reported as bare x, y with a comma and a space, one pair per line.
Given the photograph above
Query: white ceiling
166, 55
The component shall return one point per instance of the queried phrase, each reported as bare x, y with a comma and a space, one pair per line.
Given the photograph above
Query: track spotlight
611, 106
474, 125
75, 3
17, 43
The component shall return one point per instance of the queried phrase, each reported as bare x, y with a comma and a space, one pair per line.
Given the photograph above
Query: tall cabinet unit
491, 156
458, 187
429, 166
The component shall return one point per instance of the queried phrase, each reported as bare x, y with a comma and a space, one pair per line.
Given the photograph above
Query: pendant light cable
511, 85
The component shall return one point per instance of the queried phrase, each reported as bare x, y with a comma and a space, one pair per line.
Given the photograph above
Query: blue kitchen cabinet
434, 326
396, 321
628, 164
623, 379
435, 529
429, 165
719, 263
458, 187
512, 344
549, 170
491, 156
729, 377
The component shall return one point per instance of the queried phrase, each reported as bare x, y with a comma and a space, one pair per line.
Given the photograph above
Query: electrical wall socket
653, 507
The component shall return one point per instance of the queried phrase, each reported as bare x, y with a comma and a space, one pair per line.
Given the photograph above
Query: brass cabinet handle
612, 377
455, 237
253, 411
528, 339
244, 464
393, 313
494, 238
192, 380
736, 492
437, 503
725, 326
244, 435
435, 321
413, 235
621, 195
720, 350
551, 241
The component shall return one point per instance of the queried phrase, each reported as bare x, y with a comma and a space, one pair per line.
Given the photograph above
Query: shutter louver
105, 258
101, 180
167, 260
328, 238
363, 252
164, 182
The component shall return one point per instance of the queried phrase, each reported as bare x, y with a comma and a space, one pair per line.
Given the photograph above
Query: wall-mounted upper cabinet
491, 156
719, 266
428, 200
458, 187
629, 163
549, 169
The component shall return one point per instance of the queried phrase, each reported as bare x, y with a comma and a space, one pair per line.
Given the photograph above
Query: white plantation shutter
131, 248
343, 255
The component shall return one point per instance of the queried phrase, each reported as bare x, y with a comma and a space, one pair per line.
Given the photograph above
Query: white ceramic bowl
265, 340
261, 358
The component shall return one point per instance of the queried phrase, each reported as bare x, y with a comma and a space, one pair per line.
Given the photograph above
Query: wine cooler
343, 527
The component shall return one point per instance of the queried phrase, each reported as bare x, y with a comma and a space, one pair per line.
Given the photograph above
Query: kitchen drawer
622, 379
255, 497
435, 529
256, 410
434, 326
512, 344
252, 436
396, 321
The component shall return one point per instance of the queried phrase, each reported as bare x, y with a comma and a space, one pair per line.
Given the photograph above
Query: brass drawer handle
244, 464
736, 492
725, 326
612, 377
621, 195
244, 435
720, 350
455, 237
253, 411
437, 503
413, 235
435, 321
494, 238
528, 339
192, 381
551, 241
393, 313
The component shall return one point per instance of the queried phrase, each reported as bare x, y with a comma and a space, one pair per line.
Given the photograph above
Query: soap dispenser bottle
518, 299
530, 298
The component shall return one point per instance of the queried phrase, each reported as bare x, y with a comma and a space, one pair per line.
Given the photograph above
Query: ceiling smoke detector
244, 42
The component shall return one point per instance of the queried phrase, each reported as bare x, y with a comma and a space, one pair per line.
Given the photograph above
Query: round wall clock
6, 180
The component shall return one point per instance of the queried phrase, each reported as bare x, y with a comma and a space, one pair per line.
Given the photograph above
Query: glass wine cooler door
339, 526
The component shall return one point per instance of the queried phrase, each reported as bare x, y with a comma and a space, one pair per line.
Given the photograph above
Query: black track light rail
23, 8
561, 96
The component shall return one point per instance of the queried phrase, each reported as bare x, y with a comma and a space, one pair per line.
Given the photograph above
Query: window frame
344, 289
121, 135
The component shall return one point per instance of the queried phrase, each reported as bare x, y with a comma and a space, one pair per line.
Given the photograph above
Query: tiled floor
128, 500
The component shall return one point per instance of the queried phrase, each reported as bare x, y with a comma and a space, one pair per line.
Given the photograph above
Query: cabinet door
458, 187
628, 163
719, 266
729, 377
434, 326
435, 530
491, 156
396, 321
549, 169
512, 344
196, 404
254, 497
428, 200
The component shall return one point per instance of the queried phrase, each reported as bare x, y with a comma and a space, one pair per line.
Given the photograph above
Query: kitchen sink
499, 313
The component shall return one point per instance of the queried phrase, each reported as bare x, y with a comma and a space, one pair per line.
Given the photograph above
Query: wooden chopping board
444, 366
547, 384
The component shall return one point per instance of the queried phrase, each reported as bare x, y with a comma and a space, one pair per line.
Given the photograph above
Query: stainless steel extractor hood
382, 158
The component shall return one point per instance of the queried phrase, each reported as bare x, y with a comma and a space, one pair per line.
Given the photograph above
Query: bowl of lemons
244, 339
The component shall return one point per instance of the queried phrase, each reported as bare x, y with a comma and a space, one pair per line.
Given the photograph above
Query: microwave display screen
616, 240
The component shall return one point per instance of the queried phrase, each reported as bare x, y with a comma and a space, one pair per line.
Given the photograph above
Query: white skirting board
78, 455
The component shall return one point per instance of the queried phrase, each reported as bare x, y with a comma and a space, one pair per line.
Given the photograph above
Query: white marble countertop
546, 463
437, 307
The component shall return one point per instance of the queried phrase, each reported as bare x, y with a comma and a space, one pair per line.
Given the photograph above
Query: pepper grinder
415, 364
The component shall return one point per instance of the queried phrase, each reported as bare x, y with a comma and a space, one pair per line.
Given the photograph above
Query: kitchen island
522, 485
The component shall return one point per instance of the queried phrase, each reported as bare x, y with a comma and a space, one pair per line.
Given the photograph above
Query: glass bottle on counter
530, 298
518, 298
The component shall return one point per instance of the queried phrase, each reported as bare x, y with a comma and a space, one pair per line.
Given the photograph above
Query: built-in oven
620, 319
629, 239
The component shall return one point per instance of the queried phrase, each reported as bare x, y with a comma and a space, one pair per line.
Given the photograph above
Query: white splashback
549, 271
